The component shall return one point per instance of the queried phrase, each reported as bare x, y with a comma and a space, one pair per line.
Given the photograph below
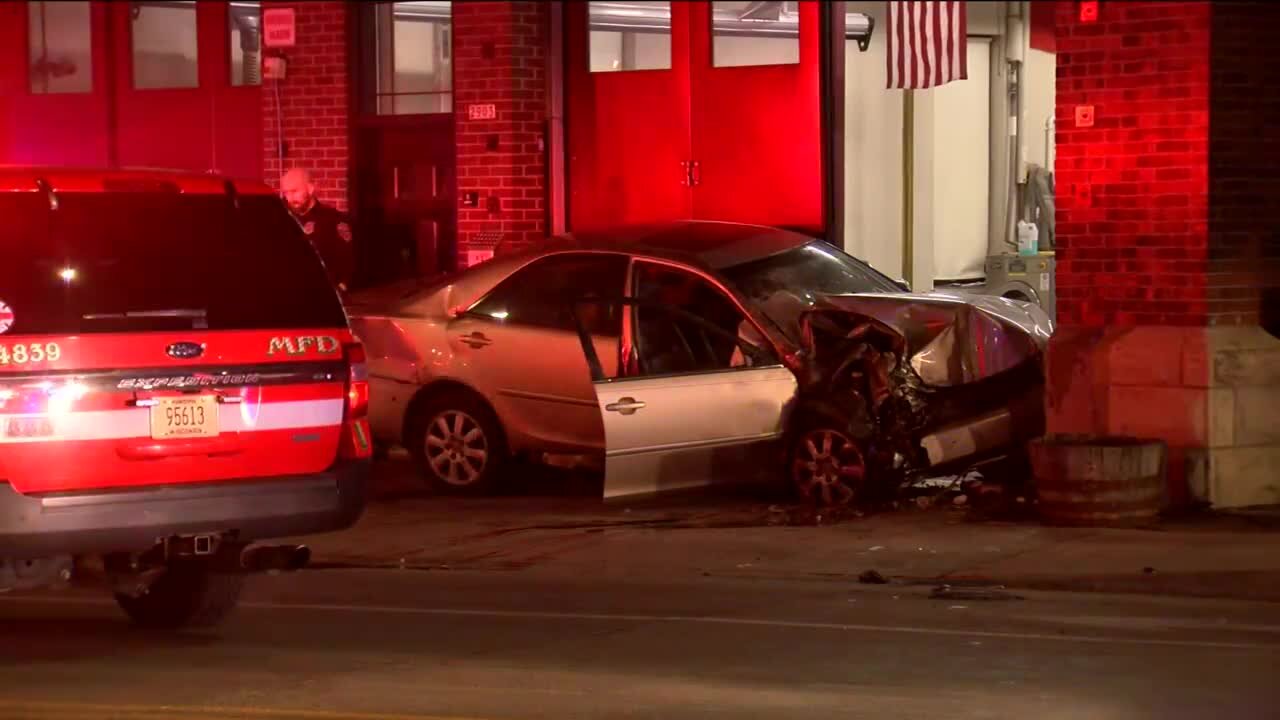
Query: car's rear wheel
826, 466
187, 595
459, 445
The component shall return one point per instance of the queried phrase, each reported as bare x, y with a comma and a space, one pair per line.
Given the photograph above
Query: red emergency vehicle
178, 384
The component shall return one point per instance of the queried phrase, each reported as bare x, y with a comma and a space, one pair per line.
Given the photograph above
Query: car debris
897, 389
947, 592
872, 577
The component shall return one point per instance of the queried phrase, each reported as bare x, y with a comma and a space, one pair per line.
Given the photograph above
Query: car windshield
783, 286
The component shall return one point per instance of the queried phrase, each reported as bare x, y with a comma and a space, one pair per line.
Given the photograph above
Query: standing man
326, 227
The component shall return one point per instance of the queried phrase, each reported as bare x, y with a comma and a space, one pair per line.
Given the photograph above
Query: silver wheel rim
457, 449
828, 467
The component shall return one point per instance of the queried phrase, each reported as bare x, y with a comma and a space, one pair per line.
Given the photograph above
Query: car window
126, 261
544, 292
684, 324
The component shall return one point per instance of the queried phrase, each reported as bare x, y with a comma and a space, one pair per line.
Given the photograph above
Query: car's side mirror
903, 285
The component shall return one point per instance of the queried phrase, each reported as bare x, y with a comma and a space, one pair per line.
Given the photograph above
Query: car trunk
155, 337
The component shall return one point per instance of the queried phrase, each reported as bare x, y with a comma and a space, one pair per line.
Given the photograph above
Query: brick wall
313, 100
500, 53
1132, 190
1244, 166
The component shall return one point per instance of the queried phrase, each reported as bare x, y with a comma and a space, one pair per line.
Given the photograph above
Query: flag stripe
927, 43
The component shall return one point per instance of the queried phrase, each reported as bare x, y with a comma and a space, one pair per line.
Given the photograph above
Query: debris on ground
872, 577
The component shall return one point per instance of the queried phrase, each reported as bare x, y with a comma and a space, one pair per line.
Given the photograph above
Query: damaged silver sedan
696, 353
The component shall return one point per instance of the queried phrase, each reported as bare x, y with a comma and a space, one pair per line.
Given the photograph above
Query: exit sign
488, 111
279, 28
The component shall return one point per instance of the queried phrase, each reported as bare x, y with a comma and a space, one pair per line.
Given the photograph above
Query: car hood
949, 338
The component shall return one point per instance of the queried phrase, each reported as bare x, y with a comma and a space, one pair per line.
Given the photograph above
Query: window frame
629, 368
365, 50
473, 311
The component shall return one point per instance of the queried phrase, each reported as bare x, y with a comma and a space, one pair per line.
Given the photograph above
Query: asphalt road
467, 645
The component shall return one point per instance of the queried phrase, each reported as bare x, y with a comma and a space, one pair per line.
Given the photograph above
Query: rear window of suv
143, 261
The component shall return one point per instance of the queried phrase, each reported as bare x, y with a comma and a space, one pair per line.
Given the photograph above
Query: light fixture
68, 274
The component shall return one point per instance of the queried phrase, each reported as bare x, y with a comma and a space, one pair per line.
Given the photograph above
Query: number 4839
29, 353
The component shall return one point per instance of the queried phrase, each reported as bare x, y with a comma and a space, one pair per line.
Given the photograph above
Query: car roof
712, 244
705, 244
71, 179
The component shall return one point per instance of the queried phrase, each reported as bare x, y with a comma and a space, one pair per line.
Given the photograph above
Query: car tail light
357, 383
355, 432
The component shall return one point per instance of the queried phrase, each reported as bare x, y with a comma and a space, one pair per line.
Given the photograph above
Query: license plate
185, 417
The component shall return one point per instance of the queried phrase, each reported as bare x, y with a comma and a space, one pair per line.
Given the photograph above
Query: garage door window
630, 36
59, 47
755, 33
164, 45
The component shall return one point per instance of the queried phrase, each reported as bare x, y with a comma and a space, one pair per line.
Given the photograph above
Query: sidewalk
1214, 556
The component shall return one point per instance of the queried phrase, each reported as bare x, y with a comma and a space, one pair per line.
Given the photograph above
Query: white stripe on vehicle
136, 422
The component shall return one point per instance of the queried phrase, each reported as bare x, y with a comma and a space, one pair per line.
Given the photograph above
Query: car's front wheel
826, 465
458, 444
187, 595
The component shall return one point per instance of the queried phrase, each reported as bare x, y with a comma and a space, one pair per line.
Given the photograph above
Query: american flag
928, 43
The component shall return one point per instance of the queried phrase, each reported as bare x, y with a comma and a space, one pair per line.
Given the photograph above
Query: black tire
187, 595
467, 463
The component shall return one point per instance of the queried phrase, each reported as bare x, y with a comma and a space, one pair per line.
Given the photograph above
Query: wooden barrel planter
1099, 481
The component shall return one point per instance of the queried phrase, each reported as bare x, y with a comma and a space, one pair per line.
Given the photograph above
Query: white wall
1039, 78
961, 169
951, 163
872, 153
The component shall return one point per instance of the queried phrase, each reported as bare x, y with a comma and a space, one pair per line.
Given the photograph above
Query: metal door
756, 121
733, 141
54, 122
685, 431
407, 188
696, 405
628, 128
520, 346
175, 106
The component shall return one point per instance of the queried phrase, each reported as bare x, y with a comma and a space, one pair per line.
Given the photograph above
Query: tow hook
277, 558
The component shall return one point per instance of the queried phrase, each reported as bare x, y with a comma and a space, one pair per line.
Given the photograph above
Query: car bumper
134, 519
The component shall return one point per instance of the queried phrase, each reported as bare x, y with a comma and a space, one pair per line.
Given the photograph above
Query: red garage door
159, 84
707, 110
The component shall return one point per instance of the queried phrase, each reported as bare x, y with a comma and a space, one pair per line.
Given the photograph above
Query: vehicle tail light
356, 443
357, 383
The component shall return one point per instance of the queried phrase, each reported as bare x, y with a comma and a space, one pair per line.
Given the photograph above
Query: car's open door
704, 408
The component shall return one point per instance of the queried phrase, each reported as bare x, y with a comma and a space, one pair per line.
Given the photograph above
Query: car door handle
625, 406
476, 340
